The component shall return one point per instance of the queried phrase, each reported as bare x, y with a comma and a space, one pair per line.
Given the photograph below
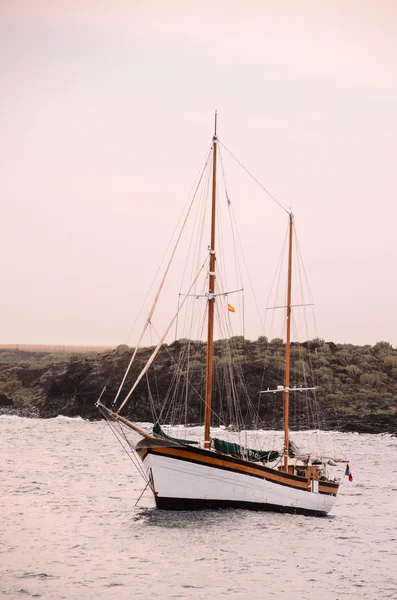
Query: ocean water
70, 528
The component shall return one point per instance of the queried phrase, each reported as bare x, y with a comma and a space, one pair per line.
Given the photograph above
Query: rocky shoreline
363, 425
357, 385
366, 424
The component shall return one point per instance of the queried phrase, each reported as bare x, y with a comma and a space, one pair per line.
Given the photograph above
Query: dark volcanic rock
356, 386
369, 424
5, 400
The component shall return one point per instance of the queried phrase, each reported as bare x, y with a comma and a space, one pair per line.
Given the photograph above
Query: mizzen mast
288, 346
211, 301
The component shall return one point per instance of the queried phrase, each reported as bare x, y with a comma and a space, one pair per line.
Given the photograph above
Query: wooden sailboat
185, 475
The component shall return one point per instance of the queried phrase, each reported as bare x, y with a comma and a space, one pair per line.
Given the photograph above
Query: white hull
181, 484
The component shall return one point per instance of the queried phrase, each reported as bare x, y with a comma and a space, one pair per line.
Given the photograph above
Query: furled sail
158, 431
244, 453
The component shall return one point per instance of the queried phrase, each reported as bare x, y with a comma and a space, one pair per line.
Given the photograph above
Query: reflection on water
203, 519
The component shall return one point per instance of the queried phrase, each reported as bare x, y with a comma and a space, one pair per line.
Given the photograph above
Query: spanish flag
231, 308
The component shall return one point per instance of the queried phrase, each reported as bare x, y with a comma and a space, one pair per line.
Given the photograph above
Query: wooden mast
288, 347
211, 302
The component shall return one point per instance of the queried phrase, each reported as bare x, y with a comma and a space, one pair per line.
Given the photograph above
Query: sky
106, 114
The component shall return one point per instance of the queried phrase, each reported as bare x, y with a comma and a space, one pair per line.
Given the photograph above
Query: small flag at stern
231, 308
348, 473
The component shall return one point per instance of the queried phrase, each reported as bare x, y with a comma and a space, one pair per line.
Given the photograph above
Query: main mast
211, 301
288, 347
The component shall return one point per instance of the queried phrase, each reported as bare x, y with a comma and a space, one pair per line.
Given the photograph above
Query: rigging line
199, 219
141, 472
193, 387
198, 237
192, 310
254, 178
277, 276
232, 376
221, 268
151, 399
186, 384
182, 375
243, 315
188, 324
137, 462
155, 352
143, 491
223, 312
154, 412
173, 389
224, 178
306, 279
246, 268
177, 319
200, 173
276, 285
171, 395
160, 287
302, 289
193, 254
230, 370
237, 266
236, 238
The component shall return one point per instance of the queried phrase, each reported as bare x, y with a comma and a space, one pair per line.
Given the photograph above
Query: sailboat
214, 473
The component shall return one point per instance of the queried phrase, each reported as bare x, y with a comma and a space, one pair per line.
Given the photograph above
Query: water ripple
72, 530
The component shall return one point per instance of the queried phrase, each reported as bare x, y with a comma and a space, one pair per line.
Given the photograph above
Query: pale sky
106, 115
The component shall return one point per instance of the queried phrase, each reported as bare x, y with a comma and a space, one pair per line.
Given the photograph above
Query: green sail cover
244, 453
158, 431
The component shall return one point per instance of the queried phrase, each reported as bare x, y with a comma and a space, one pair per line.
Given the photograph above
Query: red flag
350, 477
